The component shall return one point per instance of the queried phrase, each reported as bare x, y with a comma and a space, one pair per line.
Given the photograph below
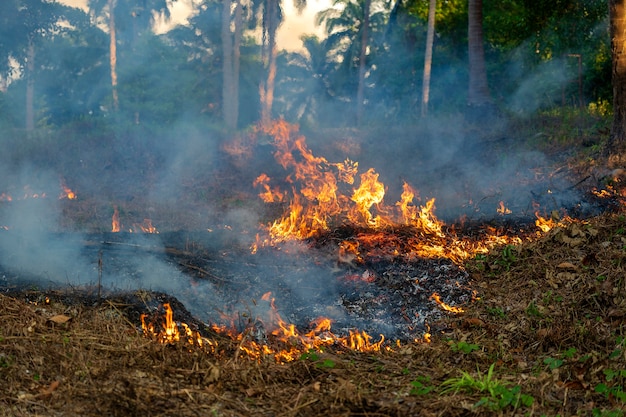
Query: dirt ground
545, 335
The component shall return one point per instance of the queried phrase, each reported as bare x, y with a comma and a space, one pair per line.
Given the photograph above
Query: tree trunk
227, 68
113, 53
617, 138
480, 104
30, 86
237, 60
428, 56
360, 93
231, 44
266, 87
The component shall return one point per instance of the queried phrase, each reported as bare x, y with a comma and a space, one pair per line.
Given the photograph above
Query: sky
289, 32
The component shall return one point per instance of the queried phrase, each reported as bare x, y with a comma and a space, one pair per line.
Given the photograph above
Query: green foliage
464, 347
499, 397
507, 257
6, 361
496, 312
313, 356
533, 311
421, 386
553, 363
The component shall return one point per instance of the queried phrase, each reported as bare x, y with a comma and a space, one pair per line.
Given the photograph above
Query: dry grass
550, 317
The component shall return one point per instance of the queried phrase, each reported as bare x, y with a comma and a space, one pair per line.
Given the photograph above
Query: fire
66, 192
143, 227
502, 208
324, 194
446, 307
115, 220
284, 342
169, 331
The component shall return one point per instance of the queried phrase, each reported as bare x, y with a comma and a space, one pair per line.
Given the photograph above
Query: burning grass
546, 337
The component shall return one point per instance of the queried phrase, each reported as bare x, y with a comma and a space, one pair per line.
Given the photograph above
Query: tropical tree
617, 138
26, 26
428, 56
302, 92
479, 101
130, 19
271, 18
231, 43
351, 27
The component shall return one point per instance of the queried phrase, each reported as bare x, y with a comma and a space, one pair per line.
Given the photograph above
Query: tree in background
480, 104
26, 26
231, 43
128, 16
272, 16
352, 29
617, 138
428, 56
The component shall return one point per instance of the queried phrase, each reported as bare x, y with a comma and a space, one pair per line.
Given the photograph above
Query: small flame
446, 307
502, 209
115, 220
67, 192
145, 227
169, 331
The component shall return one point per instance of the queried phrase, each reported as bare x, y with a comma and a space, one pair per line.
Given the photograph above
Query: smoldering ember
318, 255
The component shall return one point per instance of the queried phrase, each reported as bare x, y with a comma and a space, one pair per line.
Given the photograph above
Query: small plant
468, 383
614, 386
533, 310
596, 412
312, 356
553, 363
496, 312
507, 257
569, 353
500, 396
464, 347
421, 386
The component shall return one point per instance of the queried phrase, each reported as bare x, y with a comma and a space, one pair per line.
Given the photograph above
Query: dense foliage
539, 55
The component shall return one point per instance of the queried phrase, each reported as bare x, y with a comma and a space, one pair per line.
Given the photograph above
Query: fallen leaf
50, 389
473, 322
573, 385
60, 319
566, 265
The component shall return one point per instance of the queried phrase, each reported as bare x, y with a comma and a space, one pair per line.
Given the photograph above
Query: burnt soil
547, 315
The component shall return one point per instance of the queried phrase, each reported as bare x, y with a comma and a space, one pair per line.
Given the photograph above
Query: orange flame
145, 227
502, 208
446, 307
169, 332
319, 199
67, 192
115, 220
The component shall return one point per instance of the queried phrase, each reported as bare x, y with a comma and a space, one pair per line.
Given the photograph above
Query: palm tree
350, 25
617, 138
428, 55
122, 15
304, 85
231, 42
272, 17
479, 99
26, 24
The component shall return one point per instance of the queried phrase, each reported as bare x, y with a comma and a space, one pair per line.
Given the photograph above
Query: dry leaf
566, 265
473, 322
60, 319
50, 389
